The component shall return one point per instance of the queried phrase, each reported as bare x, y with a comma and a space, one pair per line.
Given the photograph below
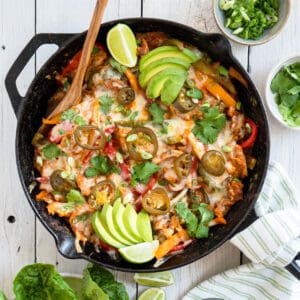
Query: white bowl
284, 12
270, 97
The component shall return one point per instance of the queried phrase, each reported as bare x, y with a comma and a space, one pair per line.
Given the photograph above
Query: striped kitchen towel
271, 243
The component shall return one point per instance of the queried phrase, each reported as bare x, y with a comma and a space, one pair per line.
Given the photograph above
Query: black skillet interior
33, 108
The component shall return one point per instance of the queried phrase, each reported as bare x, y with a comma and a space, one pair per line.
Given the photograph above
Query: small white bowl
269, 34
270, 97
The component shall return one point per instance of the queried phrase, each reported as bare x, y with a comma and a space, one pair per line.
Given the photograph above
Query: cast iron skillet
31, 108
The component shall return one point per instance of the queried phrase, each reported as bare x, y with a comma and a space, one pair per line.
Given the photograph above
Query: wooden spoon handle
74, 93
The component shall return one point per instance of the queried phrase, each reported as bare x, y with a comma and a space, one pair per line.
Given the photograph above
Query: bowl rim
250, 42
270, 96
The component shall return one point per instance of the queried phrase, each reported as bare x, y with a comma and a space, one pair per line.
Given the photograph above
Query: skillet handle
293, 267
23, 58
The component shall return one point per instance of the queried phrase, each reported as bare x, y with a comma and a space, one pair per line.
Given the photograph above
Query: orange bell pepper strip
53, 121
132, 80
42, 195
236, 75
166, 246
217, 90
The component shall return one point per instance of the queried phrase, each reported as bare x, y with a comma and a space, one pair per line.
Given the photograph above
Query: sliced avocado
117, 215
106, 217
167, 60
165, 52
192, 55
146, 76
129, 219
157, 82
102, 232
171, 89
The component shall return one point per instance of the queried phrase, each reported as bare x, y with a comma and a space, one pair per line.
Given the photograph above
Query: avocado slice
129, 220
146, 76
167, 52
157, 82
106, 217
171, 89
102, 232
117, 215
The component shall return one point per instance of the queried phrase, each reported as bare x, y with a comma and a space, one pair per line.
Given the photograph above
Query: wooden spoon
73, 95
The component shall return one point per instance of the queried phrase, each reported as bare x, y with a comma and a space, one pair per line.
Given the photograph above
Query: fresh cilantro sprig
197, 220
75, 197
51, 151
142, 172
157, 113
105, 104
100, 165
71, 115
208, 129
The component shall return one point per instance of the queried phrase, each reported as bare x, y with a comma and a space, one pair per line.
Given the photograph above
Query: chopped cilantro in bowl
283, 92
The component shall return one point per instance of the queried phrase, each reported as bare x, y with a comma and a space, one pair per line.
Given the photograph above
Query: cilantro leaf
101, 163
78, 120
194, 93
106, 103
157, 113
189, 218
68, 114
51, 151
91, 172
75, 197
142, 172
208, 129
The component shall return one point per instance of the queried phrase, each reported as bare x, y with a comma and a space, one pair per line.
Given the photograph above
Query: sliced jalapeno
141, 143
60, 184
184, 103
126, 95
156, 201
103, 192
213, 162
198, 196
182, 165
90, 137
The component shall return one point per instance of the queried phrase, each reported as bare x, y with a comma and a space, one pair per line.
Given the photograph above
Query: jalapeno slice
156, 201
103, 192
198, 196
141, 143
184, 103
183, 164
90, 137
213, 162
126, 95
60, 184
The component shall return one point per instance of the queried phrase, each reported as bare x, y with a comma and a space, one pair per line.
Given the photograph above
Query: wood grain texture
16, 239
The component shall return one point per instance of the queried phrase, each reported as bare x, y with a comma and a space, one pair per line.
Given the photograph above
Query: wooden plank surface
26, 239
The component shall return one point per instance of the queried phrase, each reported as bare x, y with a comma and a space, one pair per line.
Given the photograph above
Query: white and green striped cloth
270, 243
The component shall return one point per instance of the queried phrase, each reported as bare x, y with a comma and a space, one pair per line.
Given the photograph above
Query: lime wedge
121, 44
140, 253
144, 226
154, 279
153, 294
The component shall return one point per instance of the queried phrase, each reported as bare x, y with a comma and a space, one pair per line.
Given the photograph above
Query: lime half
153, 294
154, 279
122, 45
140, 253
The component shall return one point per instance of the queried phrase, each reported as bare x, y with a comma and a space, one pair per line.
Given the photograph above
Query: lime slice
153, 294
121, 44
154, 279
140, 253
144, 226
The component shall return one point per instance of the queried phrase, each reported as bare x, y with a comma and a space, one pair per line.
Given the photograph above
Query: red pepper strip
110, 150
74, 62
251, 139
125, 172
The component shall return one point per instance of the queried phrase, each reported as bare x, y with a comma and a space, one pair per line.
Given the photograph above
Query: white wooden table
23, 240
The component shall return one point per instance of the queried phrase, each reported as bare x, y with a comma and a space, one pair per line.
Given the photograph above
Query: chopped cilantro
95, 50
51, 151
75, 197
100, 165
142, 172
133, 115
196, 220
91, 172
68, 115
78, 120
223, 71
208, 129
121, 69
194, 93
157, 113
124, 111
106, 103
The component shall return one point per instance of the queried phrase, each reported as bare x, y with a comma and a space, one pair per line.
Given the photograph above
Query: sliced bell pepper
132, 80
251, 139
217, 90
